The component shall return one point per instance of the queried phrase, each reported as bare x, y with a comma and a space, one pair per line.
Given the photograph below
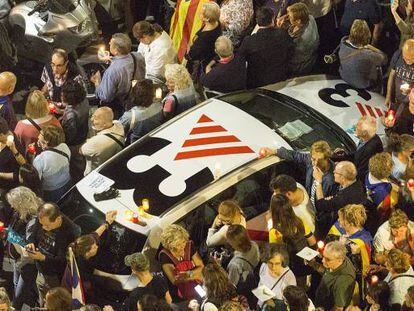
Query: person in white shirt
275, 273
297, 196
400, 276
108, 140
53, 163
229, 213
156, 47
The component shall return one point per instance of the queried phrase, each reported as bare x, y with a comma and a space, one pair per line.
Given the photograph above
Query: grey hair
347, 169
369, 125
122, 43
275, 249
24, 201
337, 249
224, 47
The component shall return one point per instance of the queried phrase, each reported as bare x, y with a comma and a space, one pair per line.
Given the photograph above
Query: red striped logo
372, 111
219, 136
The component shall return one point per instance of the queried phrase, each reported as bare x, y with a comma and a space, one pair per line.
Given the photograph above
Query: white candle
158, 93
217, 170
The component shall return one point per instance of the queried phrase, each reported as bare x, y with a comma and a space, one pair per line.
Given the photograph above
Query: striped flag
78, 297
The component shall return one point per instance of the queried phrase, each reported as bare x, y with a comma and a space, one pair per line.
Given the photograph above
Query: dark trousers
25, 291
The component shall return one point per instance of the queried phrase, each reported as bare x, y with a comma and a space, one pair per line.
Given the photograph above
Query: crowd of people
354, 209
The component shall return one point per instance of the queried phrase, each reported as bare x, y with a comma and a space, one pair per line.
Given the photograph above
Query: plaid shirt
58, 81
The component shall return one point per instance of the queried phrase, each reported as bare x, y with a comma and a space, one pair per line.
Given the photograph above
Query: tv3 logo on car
342, 89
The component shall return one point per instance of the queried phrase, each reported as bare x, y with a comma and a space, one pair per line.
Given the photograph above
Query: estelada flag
185, 23
78, 297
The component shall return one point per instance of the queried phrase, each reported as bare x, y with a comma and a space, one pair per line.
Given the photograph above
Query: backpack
245, 287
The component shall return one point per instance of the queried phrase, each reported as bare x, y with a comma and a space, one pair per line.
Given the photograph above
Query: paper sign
97, 182
307, 253
263, 293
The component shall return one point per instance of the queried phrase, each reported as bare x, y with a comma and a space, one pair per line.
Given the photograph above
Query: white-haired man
338, 281
369, 144
229, 73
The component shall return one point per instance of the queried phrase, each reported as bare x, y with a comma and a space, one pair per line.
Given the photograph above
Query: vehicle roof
178, 159
212, 139
335, 99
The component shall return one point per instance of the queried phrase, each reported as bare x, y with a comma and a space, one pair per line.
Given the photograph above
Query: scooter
36, 28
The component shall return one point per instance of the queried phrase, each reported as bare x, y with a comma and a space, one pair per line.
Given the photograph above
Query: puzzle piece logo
197, 139
193, 149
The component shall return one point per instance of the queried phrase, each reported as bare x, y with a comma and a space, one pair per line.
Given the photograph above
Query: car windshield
62, 6
115, 244
298, 124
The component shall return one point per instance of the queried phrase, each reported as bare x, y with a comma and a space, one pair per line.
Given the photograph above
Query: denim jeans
25, 291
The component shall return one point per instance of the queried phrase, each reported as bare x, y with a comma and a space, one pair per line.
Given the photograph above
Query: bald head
102, 118
408, 51
347, 170
224, 47
7, 83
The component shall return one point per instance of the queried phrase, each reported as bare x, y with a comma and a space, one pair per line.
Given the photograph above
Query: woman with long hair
85, 248
218, 287
24, 203
288, 228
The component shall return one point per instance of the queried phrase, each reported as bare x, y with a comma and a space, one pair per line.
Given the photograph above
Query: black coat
327, 208
267, 54
226, 77
363, 154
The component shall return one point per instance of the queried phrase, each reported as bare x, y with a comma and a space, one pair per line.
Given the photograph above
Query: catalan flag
185, 23
78, 297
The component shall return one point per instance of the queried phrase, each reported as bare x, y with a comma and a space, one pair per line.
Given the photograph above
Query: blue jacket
303, 159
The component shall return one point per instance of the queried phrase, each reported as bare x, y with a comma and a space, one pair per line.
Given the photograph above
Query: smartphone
200, 291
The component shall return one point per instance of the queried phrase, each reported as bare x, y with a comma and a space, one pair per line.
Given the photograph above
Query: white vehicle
187, 166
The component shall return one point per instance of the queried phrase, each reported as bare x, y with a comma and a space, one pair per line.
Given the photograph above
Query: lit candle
262, 152
145, 204
52, 108
405, 88
374, 279
410, 183
217, 170
158, 93
10, 139
102, 52
390, 115
134, 82
31, 148
135, 219
141, 211
321, 246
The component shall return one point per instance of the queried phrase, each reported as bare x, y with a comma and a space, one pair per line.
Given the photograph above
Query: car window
114, 244
298, 124
252, 193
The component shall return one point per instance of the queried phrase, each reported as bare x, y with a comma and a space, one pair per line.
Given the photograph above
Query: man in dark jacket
351, 191
266, 52
48, 244
369, 144
229, 73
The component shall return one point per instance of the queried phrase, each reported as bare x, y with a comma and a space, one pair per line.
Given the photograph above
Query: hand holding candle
405, 88
158, 93
52, 107
103, 54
